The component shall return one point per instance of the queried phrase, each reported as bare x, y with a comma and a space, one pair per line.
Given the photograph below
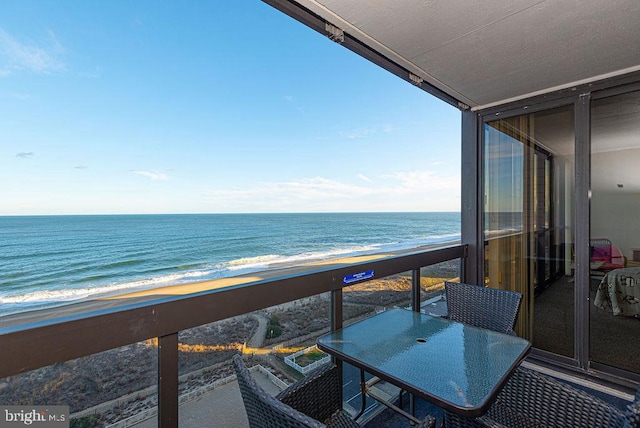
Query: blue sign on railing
355, 277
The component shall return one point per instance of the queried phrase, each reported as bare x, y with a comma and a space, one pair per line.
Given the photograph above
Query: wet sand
133, 297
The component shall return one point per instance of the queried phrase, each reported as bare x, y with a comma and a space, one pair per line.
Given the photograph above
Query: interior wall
615, 210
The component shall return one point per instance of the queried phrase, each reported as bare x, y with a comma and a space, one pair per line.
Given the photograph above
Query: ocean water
47, 261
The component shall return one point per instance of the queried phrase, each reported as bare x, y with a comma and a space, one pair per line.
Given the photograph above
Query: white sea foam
73, 294
19, 301
280, 260
246, 262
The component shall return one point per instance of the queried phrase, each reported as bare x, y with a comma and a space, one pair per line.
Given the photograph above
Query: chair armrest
546, 401
532, 399
454, 421
318, 395
428, 422
632, 415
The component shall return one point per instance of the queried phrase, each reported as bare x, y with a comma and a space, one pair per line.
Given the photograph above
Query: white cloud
401, 191
25, 154
425, 180
18, 56
153, 175
304, 189
364, 178
355, 134
365, 132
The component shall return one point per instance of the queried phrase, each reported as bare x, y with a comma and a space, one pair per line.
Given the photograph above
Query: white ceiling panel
488, 52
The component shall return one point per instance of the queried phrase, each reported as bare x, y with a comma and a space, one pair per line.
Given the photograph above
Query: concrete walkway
261, 332
221, 407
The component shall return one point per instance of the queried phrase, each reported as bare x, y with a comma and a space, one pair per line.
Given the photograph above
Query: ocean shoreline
110, 301
56, 260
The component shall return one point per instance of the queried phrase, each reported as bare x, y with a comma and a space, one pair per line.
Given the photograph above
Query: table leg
363, 393
412, 404
413, 420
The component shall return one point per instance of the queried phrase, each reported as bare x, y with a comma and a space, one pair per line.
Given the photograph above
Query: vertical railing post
168, 381
336, 324
415, 290
336, 309
415, 306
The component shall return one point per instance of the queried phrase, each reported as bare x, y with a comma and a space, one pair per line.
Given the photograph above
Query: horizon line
226, 213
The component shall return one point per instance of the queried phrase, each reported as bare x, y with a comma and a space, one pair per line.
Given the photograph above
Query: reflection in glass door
615, 231
528, 224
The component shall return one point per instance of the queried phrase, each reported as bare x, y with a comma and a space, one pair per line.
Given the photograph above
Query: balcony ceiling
484, 53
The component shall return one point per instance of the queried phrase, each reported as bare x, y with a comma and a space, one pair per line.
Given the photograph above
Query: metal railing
30, 346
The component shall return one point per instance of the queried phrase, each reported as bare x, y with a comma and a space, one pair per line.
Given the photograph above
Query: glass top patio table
458, 367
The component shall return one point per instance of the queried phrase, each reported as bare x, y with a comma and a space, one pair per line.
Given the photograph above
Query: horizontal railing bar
30, 346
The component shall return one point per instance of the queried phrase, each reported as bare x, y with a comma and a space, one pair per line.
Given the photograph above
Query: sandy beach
132, 297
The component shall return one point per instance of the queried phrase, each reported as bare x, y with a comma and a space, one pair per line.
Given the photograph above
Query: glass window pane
615, 231
100, 389
528, 221
432, 279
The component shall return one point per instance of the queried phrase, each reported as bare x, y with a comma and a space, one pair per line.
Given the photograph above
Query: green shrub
274, 329
89, 421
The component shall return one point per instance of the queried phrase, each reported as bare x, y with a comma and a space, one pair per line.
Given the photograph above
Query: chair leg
412, 404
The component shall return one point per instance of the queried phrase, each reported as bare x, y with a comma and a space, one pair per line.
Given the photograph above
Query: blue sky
207, 106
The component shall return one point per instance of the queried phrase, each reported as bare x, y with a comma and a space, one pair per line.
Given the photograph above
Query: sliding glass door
615, 231
528, 224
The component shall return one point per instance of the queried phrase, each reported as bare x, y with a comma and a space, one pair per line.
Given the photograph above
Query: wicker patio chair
532, 399
483, 307
314, 401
